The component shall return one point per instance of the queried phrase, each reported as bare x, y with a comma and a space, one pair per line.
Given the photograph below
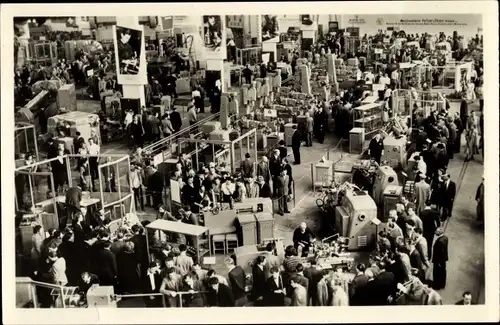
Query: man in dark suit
219, 295
357, 284
259, 280
140, 247
78, 142
376, 148
385, 287
105, 264
430, 221
281, 192
421, 139
152, 283
155, 187
439, 259
282, 149
175, 119
416, 261
247, 167
448, 191
296, 141
74, 196
313, 274
264, 188
263, 169
275, 289
237, 281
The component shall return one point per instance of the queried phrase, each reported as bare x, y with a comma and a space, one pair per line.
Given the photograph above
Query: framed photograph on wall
214, 38
130, 54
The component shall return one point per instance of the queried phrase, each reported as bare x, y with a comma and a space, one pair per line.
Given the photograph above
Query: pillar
133, 85
270, 46
309, 34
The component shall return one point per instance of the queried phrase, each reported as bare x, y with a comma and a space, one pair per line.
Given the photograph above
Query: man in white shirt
227, 190
369, 77
384, 80
395, 78
136, 184
93, 150
421, 165
192, 114
129, 118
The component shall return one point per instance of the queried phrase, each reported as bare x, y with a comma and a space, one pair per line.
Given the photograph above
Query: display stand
198, 245
235, 148
369, 117
114, 197
25, 139
249, 55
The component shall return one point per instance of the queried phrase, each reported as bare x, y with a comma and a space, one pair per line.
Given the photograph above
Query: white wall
464, 24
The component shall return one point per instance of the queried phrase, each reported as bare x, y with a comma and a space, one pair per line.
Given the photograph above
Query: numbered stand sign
270, 113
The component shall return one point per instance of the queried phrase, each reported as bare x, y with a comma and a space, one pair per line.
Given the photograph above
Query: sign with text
464, 24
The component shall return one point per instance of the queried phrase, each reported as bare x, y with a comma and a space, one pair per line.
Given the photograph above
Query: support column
24, 39
270, 46
308, 35
133, 85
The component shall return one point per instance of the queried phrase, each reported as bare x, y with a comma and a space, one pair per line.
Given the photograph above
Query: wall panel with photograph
130, 54
214, 37
270, 27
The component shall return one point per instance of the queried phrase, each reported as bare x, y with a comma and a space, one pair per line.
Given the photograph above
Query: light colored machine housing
385, 176
359, 210
395, 152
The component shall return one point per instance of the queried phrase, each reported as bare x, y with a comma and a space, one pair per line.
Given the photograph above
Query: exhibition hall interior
249, 160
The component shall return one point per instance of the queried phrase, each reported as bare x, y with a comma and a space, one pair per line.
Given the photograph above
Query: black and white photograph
270, 27
128, 42
340, 166
212, 33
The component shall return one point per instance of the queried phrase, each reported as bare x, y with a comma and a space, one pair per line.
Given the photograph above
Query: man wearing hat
296, 141
439, 259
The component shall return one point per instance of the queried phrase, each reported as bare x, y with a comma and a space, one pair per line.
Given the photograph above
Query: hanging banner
130, 54
214, 37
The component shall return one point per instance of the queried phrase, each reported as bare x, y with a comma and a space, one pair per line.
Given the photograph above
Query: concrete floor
466, 238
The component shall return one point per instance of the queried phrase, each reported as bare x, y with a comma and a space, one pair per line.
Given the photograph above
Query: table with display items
198, 243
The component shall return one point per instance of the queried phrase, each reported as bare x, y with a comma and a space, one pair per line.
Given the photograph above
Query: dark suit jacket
74, 196
449, 193
78, 143
416, 262
237, 281
105, 266
176, 120
140, 248
265, 190
386, 285
440, 250
283, 152
259, 282
222, 298
313, 275
296, 139
356, 286
430, 221
263, 170
147, 283
155, 182
275, 299
247, 168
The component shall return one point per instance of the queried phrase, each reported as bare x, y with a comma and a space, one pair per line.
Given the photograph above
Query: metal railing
166, 146
178, 294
